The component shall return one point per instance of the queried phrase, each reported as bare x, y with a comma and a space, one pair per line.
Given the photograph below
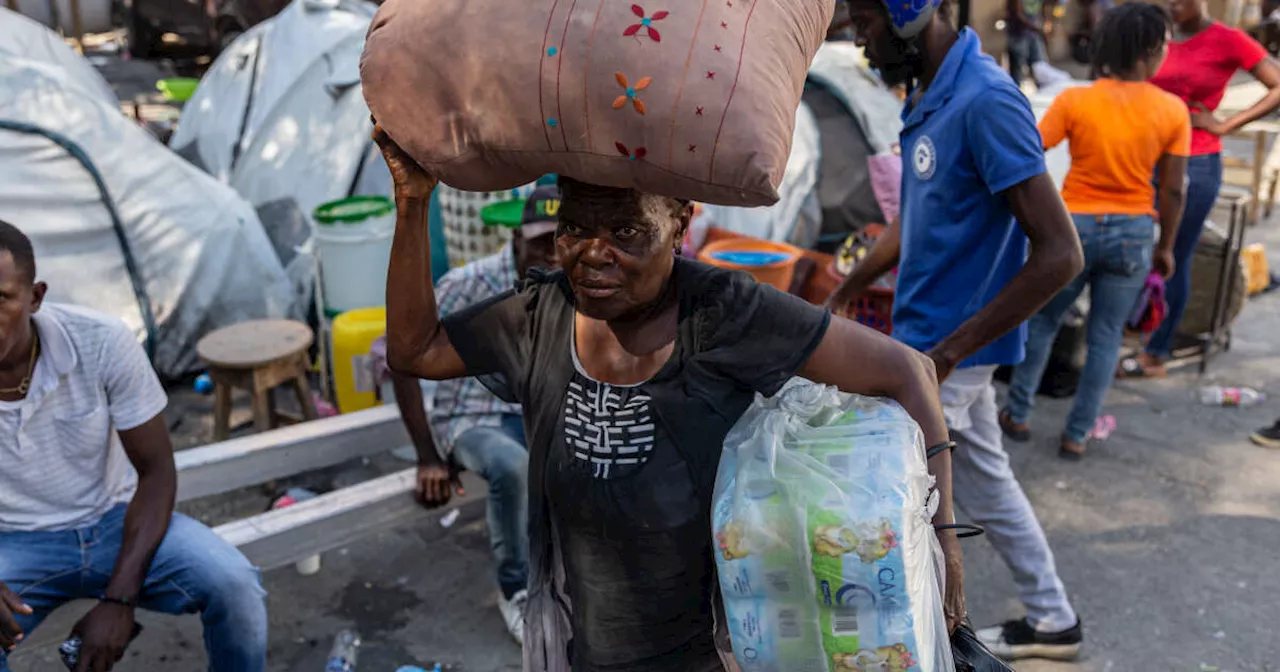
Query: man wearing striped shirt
87, 485
474, 429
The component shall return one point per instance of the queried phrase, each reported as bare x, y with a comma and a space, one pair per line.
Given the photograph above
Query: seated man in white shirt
87, 485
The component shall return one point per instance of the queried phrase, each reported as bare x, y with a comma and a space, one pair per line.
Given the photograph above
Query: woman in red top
1203, 57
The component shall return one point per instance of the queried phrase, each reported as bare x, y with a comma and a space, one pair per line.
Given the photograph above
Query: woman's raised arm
417, 344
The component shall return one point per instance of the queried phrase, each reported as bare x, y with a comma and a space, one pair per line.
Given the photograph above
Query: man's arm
1054, 261
436, 479
150, 451
880, 259
1018, 15
107, 629
1046, 17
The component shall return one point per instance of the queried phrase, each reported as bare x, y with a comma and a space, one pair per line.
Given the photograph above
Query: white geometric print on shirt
608, 427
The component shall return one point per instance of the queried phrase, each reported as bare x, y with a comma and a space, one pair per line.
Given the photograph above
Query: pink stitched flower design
646, 22
630, 92
634, 156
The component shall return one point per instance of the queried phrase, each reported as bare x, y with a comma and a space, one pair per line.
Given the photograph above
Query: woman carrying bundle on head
632, 364
1121, 130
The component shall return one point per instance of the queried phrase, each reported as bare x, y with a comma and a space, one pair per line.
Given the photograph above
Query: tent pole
77, 23
126, 250
322, 352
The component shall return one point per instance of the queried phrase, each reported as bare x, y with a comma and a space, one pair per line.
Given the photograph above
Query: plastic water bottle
342, 657
1230, 396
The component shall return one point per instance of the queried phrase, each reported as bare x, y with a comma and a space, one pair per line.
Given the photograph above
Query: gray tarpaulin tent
281, 118
120, 223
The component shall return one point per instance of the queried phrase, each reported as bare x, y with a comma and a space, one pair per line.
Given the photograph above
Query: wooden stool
257, 356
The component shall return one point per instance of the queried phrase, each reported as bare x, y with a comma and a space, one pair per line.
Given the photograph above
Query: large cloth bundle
826, 553
693, 100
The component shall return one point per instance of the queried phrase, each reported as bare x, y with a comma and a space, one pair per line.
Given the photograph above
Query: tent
280, 117
21, 36
846, 115
258, 73
95, 16
121, 224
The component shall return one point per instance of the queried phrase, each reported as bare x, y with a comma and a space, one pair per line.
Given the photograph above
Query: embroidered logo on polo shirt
924, 158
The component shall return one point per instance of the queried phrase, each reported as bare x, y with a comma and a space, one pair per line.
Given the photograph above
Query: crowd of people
589, 373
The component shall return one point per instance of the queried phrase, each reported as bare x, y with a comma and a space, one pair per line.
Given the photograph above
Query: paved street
1166, 536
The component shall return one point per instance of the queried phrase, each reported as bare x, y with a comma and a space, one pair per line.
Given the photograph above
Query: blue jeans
499, 456
194, 570
1025, 50
1204, 179
1117, 260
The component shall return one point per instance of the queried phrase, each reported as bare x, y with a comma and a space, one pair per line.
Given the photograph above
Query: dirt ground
1165, 535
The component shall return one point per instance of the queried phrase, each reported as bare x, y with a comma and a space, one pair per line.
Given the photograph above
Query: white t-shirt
61, 463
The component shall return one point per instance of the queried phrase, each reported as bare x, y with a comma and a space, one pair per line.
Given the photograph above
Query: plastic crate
874, 309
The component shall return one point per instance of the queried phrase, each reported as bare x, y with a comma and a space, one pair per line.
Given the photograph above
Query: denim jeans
1117, 260
1204, 179
194, 570
499, 456
1025, 50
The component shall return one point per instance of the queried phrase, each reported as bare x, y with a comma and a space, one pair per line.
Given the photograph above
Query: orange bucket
769, 262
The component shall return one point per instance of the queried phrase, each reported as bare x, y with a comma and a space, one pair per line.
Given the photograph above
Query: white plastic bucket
353, 238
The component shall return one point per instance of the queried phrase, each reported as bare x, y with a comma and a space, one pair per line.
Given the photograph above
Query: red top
1198, 70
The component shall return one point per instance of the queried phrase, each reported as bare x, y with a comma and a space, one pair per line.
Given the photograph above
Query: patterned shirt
464, 403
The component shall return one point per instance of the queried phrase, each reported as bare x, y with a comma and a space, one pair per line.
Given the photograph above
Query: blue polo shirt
970, 137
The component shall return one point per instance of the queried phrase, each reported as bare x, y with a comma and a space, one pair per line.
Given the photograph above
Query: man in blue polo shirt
975, 191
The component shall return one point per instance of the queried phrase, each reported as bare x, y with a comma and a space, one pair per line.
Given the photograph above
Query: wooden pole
77, 22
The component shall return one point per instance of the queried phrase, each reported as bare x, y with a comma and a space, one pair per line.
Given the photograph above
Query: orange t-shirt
1116, 132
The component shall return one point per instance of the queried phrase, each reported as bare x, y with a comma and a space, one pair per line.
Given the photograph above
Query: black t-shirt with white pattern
636, 548
621, 564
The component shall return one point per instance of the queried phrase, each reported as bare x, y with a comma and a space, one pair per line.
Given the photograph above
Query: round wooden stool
257, 356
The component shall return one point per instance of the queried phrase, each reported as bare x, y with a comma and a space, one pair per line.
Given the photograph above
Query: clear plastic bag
825, 549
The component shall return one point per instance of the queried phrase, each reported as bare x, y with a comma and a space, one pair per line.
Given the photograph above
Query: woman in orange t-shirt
1121, 131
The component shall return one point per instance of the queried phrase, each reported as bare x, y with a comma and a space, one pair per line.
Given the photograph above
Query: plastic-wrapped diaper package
825, 548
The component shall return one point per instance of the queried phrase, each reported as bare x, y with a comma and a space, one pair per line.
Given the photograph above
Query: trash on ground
1230, 396
346, 648
1103, 428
